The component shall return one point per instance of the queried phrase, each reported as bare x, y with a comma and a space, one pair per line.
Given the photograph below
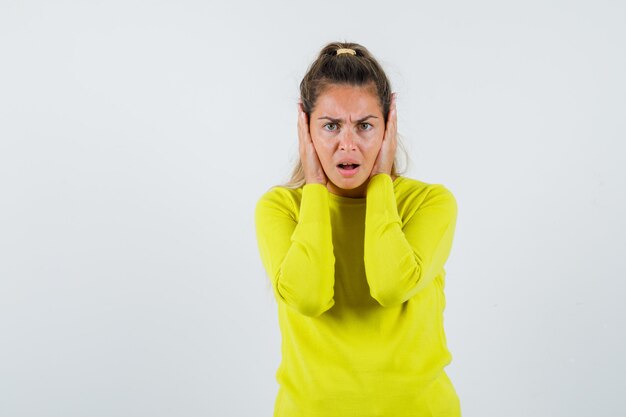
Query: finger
390, 130
301, 122
392, 105
394, 102
393, 133
306, 133
301, 133
393, 116
304, 136
301, 108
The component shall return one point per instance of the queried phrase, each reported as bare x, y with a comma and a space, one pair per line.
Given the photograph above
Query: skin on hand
387, 152
347, 122
313, 171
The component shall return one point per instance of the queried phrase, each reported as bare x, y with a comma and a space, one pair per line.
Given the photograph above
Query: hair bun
346, 51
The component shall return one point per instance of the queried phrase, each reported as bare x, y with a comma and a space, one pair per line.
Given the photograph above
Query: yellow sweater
359, 284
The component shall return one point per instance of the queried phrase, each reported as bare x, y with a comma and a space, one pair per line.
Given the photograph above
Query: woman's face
347, 124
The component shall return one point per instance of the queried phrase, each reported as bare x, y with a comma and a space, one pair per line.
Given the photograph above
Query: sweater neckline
355, 201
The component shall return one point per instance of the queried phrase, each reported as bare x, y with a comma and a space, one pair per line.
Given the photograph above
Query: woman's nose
347, 139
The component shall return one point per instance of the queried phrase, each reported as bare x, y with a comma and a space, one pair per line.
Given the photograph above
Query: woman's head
344, 69
337, 93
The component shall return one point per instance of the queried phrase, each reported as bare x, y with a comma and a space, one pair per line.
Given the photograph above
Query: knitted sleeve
402, 259
296, 249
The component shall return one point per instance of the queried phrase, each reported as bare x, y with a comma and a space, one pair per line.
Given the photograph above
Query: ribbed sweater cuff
315, 205
381, 198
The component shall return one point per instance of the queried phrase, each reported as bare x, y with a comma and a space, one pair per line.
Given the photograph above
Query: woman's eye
365, 126
331, 126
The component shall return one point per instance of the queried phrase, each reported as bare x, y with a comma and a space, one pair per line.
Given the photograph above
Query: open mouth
348, 167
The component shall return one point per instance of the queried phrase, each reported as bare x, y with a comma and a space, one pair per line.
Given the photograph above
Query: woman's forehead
347, 101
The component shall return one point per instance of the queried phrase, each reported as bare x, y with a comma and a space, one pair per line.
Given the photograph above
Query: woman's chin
346, 183
347, 188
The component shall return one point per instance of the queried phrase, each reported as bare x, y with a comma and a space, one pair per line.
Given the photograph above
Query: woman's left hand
387, 153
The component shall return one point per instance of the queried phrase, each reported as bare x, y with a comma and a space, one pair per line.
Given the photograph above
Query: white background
136, 138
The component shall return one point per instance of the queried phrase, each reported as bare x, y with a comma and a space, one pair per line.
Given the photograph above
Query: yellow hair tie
346, 51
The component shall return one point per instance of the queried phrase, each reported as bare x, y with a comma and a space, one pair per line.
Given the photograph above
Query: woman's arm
399, 261
298, 255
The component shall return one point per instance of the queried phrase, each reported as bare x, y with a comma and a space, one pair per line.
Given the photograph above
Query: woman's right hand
313, 171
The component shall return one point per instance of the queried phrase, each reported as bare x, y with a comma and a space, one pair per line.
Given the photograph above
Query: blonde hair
357, 69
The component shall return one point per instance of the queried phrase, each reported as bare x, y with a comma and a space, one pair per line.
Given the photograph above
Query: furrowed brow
371, 116
331, 119
341, 120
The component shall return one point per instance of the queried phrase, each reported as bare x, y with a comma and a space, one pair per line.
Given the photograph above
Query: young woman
355, 254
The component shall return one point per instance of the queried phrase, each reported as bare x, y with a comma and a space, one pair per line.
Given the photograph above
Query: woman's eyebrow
341, 120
